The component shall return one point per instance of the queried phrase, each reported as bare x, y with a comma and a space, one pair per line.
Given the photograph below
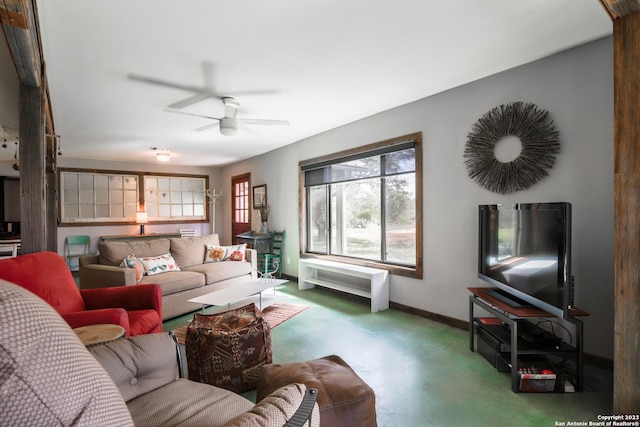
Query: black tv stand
507, 298
515, 342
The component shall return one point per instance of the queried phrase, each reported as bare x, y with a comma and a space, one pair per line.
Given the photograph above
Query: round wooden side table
99, 333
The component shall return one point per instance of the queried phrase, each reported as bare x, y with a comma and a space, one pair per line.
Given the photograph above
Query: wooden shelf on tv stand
519, 311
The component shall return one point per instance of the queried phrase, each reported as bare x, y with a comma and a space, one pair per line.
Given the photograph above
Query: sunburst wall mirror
538, 145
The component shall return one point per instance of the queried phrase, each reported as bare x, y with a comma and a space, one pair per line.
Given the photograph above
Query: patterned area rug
275, 314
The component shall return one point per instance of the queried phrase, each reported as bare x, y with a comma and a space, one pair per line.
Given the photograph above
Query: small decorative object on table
264, 216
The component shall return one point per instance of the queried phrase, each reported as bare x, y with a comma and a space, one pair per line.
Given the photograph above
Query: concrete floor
422, 371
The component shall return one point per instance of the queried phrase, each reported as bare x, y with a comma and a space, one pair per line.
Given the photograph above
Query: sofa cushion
112, 253
139, 364
223, 270
189, 251
47, 376
176, 281
206, 405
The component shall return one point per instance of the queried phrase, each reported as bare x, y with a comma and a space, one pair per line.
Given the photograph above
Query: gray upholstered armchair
50, 378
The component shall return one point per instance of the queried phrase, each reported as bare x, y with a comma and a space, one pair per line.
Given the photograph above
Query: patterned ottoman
227, 349
344, 399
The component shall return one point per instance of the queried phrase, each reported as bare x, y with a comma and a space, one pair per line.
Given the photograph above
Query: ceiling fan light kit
229, 126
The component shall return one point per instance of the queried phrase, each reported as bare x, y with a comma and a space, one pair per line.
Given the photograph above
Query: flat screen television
525, 252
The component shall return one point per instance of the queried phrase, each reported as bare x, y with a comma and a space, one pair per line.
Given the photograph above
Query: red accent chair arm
134, 297
116, 316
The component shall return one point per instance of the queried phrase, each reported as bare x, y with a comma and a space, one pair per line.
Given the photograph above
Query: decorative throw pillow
132, 262
159, 264
216, 253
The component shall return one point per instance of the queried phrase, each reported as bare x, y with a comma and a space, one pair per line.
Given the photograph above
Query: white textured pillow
159, 264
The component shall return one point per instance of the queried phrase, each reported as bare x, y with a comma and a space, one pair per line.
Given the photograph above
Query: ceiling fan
200, 93
229, 124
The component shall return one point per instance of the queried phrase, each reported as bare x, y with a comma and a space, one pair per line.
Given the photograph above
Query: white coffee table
235, 293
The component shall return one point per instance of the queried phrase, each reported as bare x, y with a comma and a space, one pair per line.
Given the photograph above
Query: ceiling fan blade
198, 97
264, 122
256, 92
159, 82
207, 127
248, 130
170, 110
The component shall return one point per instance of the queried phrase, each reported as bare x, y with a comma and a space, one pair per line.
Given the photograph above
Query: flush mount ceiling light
162, 154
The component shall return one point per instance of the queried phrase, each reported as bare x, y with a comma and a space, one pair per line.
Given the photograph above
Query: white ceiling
325, 63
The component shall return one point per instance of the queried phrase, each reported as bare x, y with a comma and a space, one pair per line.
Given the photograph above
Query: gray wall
575, 86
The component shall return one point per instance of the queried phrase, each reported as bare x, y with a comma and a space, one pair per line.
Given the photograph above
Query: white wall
96, 231
575, 86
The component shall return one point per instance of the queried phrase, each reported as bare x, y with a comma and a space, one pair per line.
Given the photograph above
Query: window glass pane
130, 196
360, 168
102, 196
400, 161
150, 184
86, 196
163, 184
116, 196
71, 196
400, 218
176, 184
102, 211
85, 180
101, 181
86, 211
163, 210
72, 211
318, 219
355, 215
130, 210
130, 183
198, 210
115, 182
117, 211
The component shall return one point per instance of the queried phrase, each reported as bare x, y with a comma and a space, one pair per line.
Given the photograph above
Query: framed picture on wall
259, 196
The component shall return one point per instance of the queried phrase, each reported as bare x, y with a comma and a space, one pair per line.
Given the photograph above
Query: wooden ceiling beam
19, 19
620, 8
21, 30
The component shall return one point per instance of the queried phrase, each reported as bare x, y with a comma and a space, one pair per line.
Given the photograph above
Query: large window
364, 205
100, 197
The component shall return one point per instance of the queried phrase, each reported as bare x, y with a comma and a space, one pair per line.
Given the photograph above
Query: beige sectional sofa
195, 277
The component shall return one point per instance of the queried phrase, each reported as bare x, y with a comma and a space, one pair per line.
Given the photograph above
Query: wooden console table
260, 242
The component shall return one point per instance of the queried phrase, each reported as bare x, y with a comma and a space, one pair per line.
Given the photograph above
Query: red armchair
138, 309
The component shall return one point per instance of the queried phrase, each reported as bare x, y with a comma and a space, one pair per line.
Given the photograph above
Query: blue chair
75, 247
